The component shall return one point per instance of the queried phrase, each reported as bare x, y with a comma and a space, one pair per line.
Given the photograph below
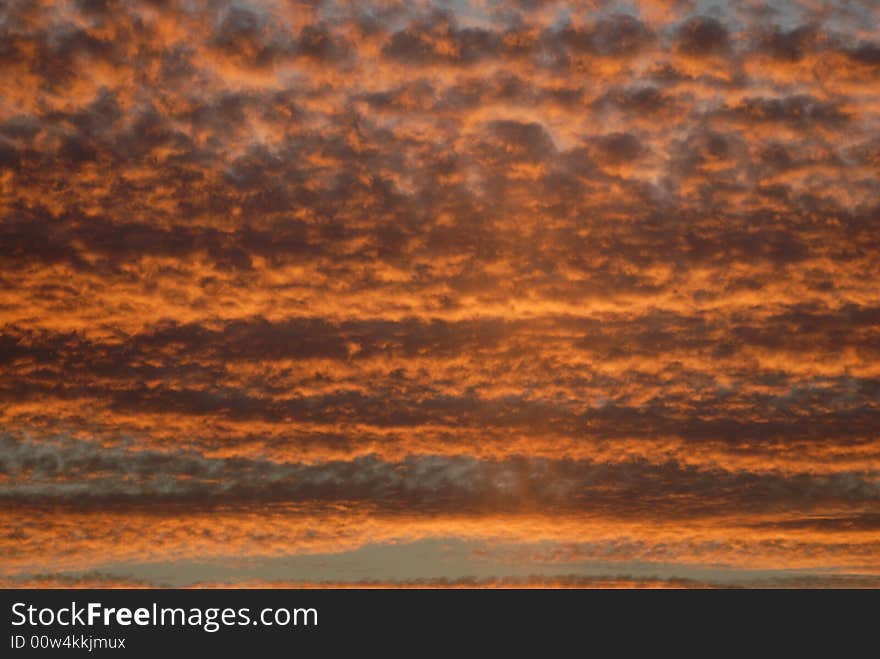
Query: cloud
429, 258
87, 474
701, 36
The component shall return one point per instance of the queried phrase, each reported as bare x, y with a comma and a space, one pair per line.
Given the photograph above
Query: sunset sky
440, 293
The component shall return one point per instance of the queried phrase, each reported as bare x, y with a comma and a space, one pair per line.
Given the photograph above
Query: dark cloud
619, 35
247, 36
438, 39
789, 45
865, 53
521, 141
646, 100
619, 148
700, 36
320, 43
74, 470
799, 109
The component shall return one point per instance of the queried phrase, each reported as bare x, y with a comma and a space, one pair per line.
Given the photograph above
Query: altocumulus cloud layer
588, 291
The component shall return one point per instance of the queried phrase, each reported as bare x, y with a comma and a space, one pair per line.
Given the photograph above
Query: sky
469, 293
